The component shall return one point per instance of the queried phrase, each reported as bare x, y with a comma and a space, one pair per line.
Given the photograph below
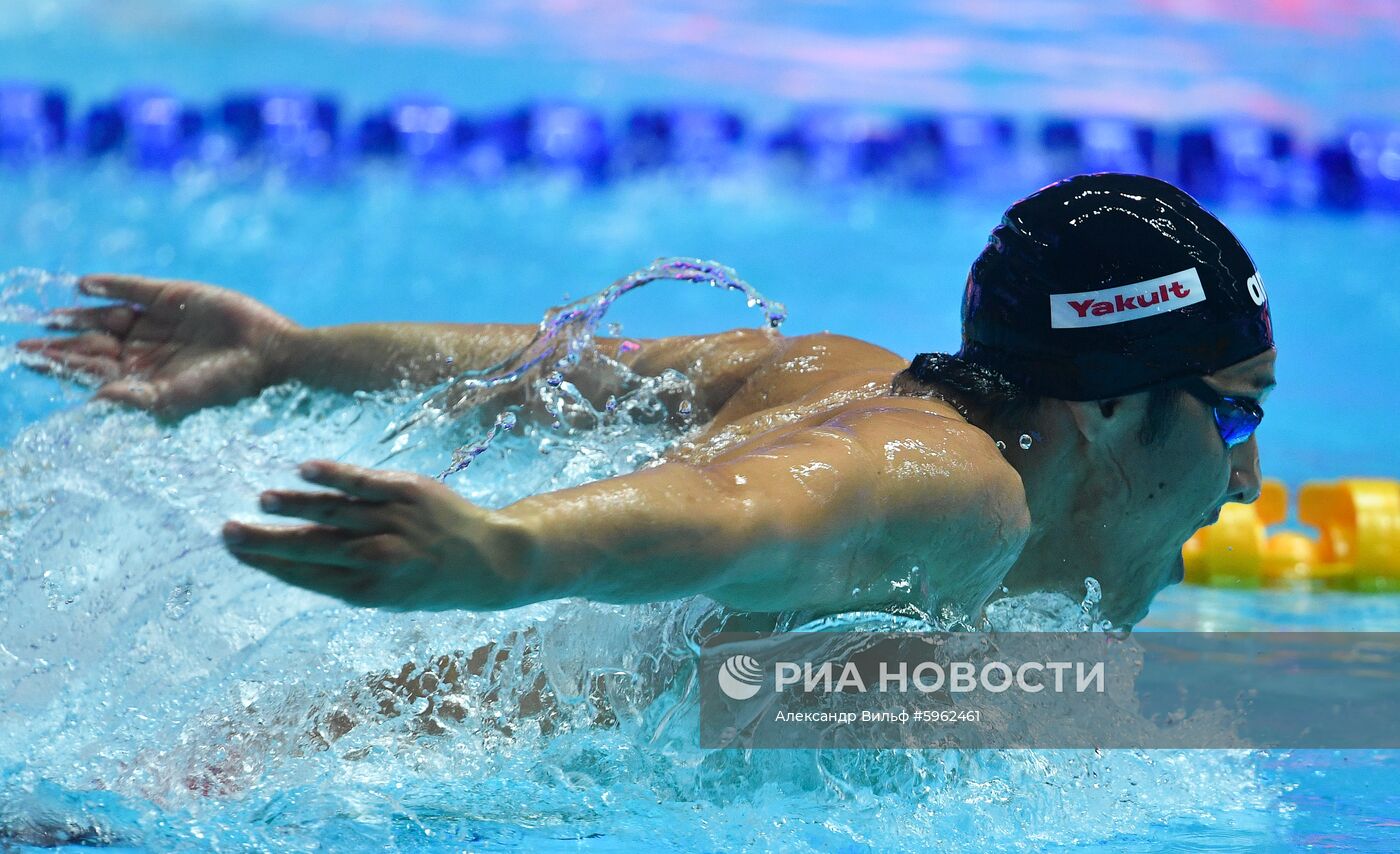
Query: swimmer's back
935, 491
897, 498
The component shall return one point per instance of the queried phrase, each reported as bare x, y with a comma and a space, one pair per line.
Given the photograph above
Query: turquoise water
155, 694
158, 694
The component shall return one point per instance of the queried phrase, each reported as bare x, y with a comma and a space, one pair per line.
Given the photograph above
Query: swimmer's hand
169, 347
386, 539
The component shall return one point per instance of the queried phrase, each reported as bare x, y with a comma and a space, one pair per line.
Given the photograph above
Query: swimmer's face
1168, 490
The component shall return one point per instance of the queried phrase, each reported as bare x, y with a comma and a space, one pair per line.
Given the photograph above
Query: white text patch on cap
1127, 302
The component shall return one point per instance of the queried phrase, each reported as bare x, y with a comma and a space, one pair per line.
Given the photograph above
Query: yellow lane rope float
1357, 546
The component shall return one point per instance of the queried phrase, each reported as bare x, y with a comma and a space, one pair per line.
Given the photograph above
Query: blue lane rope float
1233, 160
1356, 546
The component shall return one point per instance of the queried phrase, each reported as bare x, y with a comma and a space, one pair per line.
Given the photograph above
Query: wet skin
1105, 504
813, 486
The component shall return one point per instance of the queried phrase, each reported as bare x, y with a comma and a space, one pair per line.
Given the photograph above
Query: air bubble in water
506, 421
684, 409
1025, 441
611, 405
554, 379
1001, 446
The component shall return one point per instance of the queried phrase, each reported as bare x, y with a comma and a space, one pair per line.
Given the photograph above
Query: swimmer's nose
1246, 482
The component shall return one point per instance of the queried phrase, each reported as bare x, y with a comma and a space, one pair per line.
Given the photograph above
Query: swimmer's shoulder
813, 369
934, 465
760, 350
719, 363
842, 353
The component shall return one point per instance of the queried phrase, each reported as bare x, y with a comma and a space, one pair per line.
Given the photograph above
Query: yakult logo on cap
1128, 302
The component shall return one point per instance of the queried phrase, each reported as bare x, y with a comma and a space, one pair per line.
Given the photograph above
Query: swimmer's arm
851, 513
369, 356
824, 518
173, 347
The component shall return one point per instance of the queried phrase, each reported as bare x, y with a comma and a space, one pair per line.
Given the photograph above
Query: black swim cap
1103, 285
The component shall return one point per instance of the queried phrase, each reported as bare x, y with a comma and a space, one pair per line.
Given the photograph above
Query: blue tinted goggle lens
1235, 417
1235, 422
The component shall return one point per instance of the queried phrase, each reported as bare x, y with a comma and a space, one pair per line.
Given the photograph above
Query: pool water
869, 263
156, 694
160, 694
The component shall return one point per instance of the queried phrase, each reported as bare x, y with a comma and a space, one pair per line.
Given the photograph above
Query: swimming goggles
1235, 417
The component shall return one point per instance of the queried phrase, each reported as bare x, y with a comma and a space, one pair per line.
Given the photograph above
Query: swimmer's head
1102, 285
1104, 319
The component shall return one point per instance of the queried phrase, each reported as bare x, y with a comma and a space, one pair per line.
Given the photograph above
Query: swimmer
1116, 351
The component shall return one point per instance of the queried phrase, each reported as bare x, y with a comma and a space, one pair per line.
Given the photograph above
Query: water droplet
177, 604
684, 408
1093, 594
59, 599
568, 329
557, 424
1025, 441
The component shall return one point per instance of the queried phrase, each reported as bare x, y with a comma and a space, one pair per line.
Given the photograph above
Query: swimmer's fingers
370, 484
137, 289
132, 392
60, 361
87, 344
317, 544
115, 319
95, 356
329, 508
85, 371
356, 587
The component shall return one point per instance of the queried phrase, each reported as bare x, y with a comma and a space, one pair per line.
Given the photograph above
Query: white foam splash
156, 692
